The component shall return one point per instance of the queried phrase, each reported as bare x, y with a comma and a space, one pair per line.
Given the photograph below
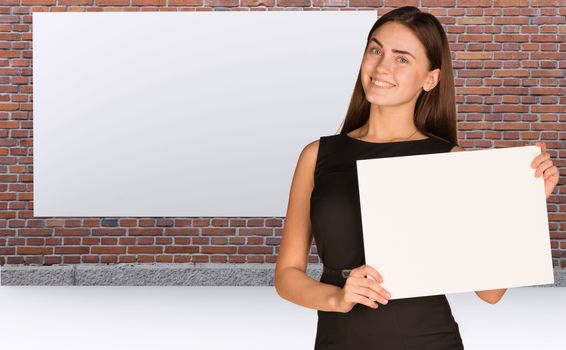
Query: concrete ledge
144, 275
162, 275
37, 275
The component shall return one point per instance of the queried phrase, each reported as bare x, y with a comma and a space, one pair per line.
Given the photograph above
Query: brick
255, 259
255, 231
148, 2
201, 222
34, 259
255, 223
52, 260
182, 240
108, 241
218, 259
219, 222
145, 259
473, 55
181, 259
182, 231
255, 240
474, 20
163, 240
183, 3
71, 250
72, 232
55, 222
237, 223
281, 3
255, 250
145, 231
34, 232
273, 222
108, 259
164, 259
145, 240
126, 259
71, 259
107, 250
512, 3
91, 241
218, 249
7, 251
90, 259
218, 240
15, 260
108, 231
182, 222
218, 231
35, 241
126, 240
145, 250
34, 250
548, 3
181, 249
200, 258
200, 240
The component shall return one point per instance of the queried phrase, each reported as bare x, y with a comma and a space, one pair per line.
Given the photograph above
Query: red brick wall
509, 58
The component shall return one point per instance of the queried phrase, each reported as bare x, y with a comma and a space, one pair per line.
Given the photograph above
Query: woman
403, 104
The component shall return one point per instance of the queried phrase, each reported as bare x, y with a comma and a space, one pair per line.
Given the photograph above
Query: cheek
409, 78
366, 67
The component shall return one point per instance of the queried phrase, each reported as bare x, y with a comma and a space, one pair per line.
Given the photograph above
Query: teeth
381, 83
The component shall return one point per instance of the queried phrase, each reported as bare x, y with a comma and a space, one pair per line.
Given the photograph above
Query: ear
432, 79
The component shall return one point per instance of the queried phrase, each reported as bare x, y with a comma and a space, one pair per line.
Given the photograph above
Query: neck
389, 123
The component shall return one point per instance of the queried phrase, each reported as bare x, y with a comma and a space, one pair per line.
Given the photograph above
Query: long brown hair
435, 110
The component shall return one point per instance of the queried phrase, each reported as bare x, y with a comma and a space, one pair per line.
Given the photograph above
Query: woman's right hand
359, 289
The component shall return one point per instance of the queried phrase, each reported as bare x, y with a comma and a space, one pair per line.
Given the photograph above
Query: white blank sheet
184, 113
455, 222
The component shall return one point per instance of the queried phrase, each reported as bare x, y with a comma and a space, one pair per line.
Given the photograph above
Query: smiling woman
395, 110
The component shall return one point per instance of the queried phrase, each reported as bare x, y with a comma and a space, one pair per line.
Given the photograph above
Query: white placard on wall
185, 113
455, 222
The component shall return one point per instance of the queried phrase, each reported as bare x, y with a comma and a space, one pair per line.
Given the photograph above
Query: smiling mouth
380, 85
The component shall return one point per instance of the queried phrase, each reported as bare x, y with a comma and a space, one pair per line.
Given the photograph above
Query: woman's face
384, 60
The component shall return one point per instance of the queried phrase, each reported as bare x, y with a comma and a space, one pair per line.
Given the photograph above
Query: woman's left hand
543, 166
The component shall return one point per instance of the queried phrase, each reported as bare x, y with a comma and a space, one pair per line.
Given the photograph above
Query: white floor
242, 318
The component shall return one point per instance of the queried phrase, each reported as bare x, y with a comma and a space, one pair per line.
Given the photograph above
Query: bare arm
490, 296
291, 281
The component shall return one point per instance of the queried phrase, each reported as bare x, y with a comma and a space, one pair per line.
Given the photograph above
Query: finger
552, 172
542, 167
370, 271
375, 287
366, 270
539, 159
372, 295
541, 145
361, 299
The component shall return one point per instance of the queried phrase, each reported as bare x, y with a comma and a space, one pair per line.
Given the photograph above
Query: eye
402, 59
375, 48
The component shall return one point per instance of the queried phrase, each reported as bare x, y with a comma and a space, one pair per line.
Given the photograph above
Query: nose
383, 65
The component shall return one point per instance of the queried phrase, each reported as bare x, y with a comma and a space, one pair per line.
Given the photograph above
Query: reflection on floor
241, 318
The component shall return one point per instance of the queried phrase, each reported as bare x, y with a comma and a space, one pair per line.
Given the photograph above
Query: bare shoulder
457, 149
310, 151
307, 160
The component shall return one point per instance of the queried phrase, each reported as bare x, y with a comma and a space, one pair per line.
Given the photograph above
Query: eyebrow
394, 50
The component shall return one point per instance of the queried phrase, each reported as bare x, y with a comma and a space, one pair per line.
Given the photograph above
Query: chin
381, 101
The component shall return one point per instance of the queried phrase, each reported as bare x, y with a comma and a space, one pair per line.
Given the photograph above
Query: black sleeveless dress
420, 323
